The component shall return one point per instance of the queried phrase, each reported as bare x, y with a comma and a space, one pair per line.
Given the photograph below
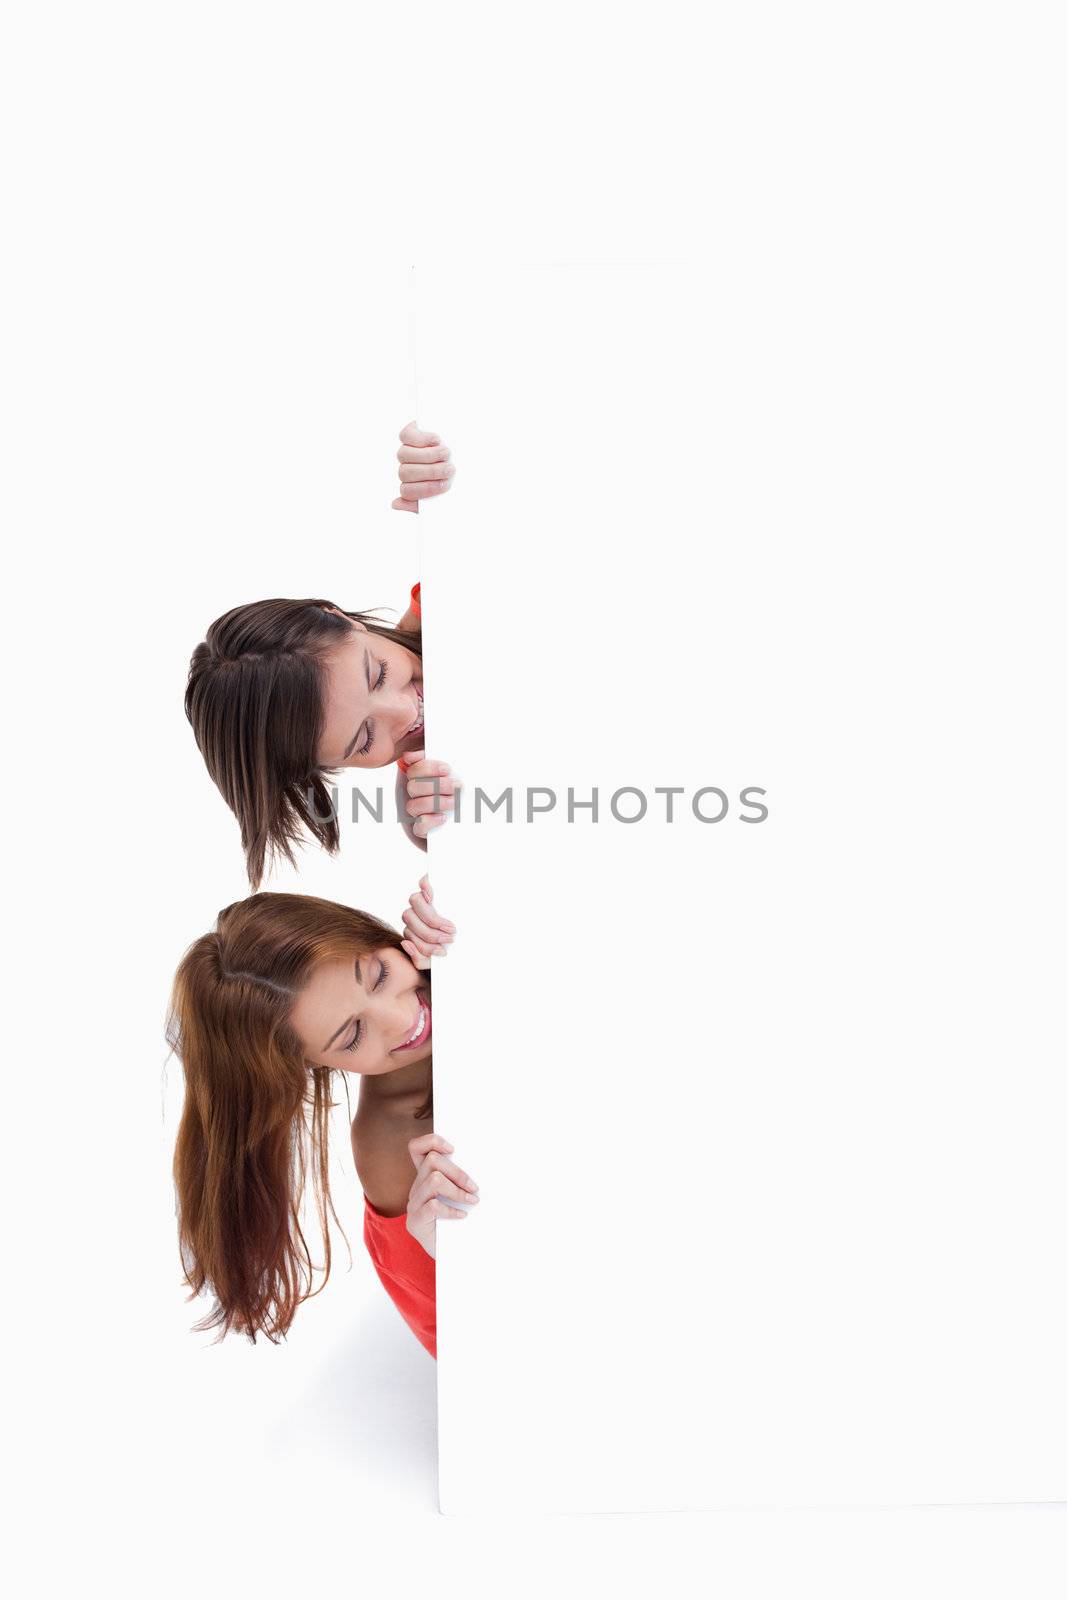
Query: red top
408, 1273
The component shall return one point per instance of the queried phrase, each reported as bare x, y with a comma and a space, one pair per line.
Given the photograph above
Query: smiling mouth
419, 1034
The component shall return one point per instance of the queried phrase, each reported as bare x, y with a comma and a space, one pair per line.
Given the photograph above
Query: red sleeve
408, 1273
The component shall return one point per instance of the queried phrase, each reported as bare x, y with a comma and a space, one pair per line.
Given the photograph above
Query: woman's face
373, 692
368, 1015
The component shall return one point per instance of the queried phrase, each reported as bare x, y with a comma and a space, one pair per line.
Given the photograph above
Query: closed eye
357, 1036
377, 684
367, 728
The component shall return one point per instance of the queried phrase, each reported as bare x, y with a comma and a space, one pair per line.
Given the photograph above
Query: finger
422, 491
426, 788
425, 472
434, 1161
405, 505
408, 454
423, 1143
429, 914
428, 1207
414, 435
416, 957
427, 805
425, 781
426, 950
427, 940
422, 782
422, 826
424, 885
433, 933
439, 1210
438, 1185
421, 768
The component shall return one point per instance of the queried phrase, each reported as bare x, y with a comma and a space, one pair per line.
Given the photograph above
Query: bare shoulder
380, 1150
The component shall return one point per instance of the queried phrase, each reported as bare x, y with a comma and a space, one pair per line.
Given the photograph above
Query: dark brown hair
256, 703
255, 1120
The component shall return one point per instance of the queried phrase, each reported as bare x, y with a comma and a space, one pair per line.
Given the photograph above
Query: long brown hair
255, 1121
256, 703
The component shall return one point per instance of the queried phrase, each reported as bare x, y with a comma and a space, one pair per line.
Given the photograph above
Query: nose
394, 1017
401, 711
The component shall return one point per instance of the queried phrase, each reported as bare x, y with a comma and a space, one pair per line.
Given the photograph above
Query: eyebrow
363, 724
348, 1020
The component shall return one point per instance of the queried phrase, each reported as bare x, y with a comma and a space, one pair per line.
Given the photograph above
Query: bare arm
383, 1166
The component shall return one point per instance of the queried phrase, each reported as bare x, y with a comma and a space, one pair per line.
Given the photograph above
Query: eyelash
359, 1025
379, 680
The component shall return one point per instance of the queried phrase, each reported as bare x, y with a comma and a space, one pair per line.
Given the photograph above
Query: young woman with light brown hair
284, 992
281, 693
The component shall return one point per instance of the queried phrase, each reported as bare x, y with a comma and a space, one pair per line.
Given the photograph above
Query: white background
204, 348
767, 1117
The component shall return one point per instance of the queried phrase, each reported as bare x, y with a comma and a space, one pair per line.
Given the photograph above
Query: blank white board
767, 1116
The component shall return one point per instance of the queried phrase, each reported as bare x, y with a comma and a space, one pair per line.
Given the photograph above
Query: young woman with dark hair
284, 992
283, 692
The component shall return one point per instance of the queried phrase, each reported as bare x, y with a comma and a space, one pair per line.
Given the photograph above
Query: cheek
404, 665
